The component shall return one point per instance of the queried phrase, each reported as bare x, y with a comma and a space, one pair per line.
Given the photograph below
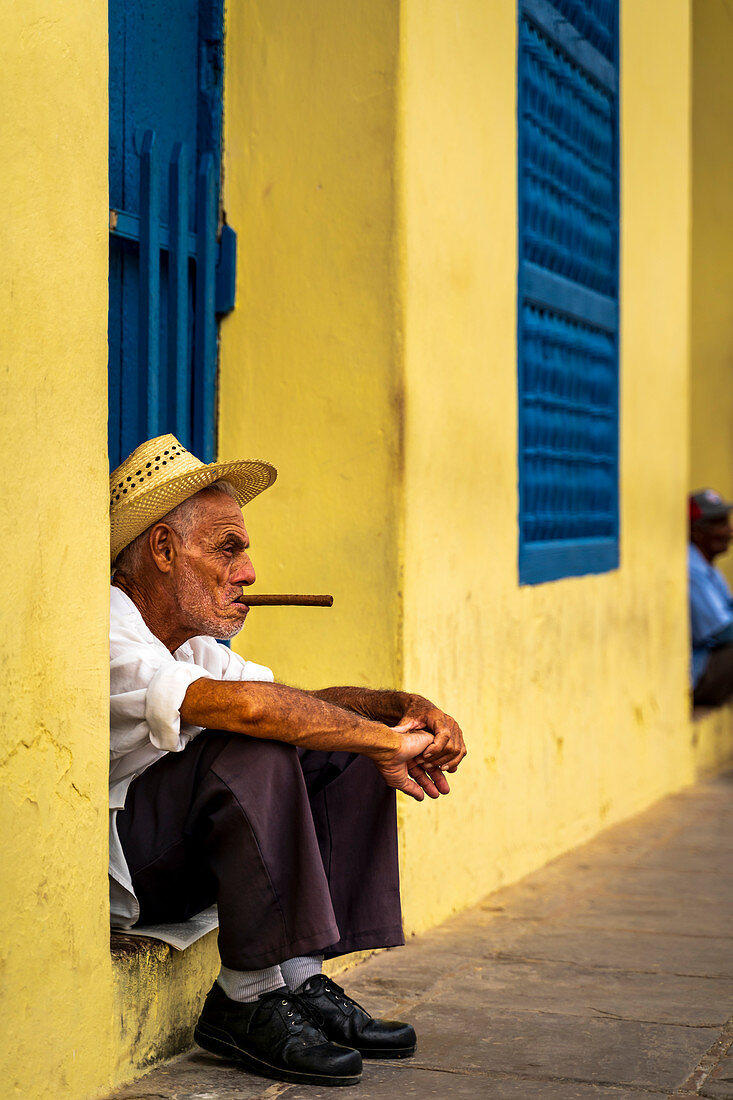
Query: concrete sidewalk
607, 975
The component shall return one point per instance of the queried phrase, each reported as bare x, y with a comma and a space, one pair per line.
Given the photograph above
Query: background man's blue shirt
711, 607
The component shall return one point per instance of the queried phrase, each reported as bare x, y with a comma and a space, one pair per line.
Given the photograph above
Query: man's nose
244, 572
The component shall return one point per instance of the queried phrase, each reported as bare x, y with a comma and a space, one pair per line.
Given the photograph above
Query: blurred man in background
711, 602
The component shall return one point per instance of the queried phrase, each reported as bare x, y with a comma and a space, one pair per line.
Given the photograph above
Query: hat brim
132, 516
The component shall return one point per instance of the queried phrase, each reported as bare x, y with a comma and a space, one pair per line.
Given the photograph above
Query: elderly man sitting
711, 603
275, 803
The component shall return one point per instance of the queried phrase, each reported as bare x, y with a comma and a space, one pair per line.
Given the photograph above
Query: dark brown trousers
715, 685
297, 848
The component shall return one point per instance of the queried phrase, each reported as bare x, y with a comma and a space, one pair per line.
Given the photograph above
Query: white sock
248, 985
300, 969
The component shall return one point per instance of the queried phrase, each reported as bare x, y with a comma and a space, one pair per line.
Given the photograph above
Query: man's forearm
379, 706
280, 713
401, 708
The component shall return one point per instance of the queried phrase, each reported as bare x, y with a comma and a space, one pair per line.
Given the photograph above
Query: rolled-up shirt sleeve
147, 688
163, 699
148, 685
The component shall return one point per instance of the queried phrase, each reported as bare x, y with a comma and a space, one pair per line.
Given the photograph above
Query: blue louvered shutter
171, 263
568, 180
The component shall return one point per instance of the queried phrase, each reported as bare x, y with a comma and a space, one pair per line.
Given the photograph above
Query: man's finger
408, 724
409, 786
451, 752
440, 781
449, 755
431, 786
449, 760
439, 743
451, 765
436, 777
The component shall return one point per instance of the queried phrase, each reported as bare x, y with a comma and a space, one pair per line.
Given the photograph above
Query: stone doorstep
123, 947
159, 992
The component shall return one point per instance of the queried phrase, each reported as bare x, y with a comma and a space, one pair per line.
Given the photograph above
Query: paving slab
691, 862
509, 983
646, 953
508, 986
554, 898
714, 832
387, 1082
199, 1076
456, 1035
678, 915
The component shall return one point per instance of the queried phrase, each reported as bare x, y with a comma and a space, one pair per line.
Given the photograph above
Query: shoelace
298, 1013
329, 986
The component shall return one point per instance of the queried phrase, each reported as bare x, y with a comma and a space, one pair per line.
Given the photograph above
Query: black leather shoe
274, 1037
344, 1021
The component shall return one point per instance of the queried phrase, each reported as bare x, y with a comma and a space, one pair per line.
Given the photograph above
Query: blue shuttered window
568, 179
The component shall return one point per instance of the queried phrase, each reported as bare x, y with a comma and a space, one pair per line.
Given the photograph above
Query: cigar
258, 599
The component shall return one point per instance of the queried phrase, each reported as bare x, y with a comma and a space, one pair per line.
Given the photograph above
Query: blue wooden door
165, 92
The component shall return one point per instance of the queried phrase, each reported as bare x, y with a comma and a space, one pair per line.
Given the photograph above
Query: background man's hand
446, 750
402, 769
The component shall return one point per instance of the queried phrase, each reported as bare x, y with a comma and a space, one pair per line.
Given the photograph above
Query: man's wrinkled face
712, 536
212, 569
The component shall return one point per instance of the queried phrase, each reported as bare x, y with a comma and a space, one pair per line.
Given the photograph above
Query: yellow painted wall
370, 160
309, 359
572, 694
711, 302
54, 942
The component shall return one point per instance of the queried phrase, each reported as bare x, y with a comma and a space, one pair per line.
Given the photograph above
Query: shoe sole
220, 1044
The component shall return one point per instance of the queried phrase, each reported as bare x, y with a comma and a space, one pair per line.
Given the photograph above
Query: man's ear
163, 543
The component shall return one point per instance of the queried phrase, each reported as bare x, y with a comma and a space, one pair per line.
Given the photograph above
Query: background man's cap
707, 504
161, 474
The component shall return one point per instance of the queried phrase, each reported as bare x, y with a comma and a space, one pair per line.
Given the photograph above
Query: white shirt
147, 686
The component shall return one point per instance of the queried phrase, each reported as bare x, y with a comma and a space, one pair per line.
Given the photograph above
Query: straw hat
161, 474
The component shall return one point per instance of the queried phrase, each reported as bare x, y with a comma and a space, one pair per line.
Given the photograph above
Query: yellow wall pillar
54, 942
310, 357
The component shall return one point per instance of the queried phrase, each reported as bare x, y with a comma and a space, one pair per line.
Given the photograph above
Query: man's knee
716, 684
255, 759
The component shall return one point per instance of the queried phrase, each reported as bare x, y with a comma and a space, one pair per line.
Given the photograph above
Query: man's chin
230, 627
